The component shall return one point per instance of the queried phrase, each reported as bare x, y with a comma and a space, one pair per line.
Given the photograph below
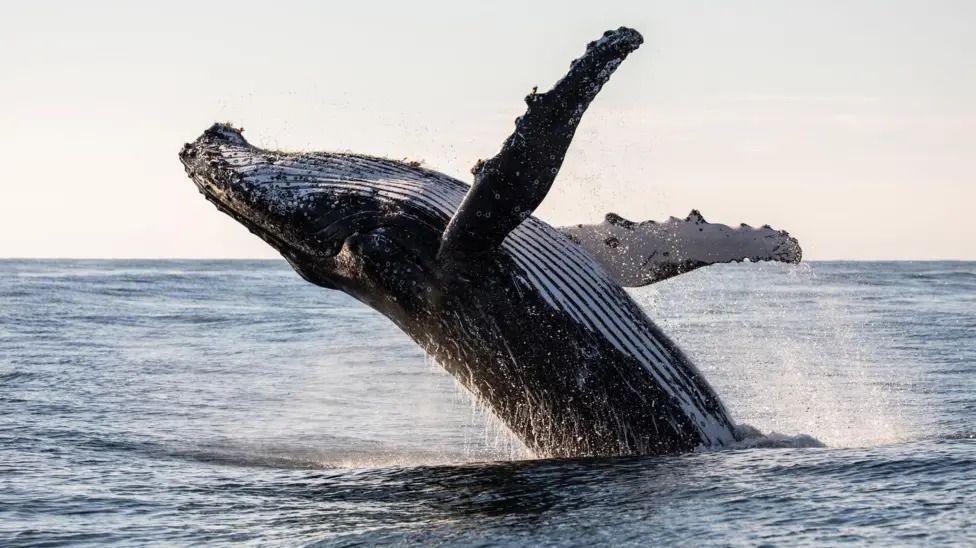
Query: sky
851, 124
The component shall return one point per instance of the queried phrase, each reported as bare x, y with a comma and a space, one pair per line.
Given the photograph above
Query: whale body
528, 317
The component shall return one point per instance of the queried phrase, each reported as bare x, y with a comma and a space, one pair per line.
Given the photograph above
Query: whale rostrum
531, 319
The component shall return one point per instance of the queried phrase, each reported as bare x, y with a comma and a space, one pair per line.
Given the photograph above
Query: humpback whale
532, 319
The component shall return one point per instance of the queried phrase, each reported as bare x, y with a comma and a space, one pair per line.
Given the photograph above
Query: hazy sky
851, 124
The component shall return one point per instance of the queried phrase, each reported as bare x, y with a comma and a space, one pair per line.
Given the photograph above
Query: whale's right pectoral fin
508, 187
637, 254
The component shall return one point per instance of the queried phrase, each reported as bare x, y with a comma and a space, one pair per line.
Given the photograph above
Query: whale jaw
240, 180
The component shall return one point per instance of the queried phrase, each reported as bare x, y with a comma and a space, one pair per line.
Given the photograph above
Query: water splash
771, 337
495, 439
751, 438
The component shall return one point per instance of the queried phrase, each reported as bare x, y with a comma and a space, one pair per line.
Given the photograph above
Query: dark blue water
178, 402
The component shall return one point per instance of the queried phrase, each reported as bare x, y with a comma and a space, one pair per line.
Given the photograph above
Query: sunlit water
205, 402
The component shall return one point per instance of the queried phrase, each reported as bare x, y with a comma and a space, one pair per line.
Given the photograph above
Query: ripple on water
211, 402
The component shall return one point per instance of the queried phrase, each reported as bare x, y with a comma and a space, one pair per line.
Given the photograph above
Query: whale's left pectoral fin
637, 254
508, 187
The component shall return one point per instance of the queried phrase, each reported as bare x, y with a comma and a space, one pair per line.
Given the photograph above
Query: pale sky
851, 124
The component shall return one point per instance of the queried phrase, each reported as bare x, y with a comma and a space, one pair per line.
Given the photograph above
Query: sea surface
229, 402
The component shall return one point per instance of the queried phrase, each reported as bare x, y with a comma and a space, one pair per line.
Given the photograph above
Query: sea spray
794, 356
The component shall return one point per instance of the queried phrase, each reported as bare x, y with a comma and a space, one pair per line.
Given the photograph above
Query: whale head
244, 182
318, 210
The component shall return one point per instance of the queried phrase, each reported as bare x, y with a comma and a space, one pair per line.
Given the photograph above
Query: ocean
230, 402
